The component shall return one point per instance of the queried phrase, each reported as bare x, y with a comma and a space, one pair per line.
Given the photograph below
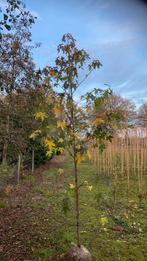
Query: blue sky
114, 31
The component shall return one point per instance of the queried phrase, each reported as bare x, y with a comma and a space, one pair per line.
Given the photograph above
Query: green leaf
98, 102
8, 27
5, 17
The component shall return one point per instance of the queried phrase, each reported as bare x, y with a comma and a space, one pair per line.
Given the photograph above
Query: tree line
26, 90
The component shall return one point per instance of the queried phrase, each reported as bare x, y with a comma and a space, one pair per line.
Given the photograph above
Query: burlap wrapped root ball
76, 253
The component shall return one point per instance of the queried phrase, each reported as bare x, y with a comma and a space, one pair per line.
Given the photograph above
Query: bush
6, 172
40, 156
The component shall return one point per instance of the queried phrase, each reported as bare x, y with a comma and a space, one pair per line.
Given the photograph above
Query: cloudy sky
114, 31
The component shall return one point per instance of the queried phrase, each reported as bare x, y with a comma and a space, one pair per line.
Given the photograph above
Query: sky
114, 31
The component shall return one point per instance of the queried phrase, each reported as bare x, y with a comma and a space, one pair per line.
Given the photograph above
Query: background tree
121, 111
142, 115
16, 64
17, 70
14, 11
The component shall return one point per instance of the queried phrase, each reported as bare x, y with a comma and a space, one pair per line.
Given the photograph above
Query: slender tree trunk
18, 169
114, 196
4, 155
127, 161
77, 203
115, 179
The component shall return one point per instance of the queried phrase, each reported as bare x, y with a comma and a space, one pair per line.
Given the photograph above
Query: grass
110, 234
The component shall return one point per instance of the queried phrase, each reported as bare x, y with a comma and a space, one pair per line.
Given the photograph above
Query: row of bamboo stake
125, 157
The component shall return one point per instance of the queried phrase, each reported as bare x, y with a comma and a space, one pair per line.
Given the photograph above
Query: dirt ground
18, 224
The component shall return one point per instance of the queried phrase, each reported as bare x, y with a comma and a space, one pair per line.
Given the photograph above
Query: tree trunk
4, 155
75, 170
18, 169
77, 204
114, 196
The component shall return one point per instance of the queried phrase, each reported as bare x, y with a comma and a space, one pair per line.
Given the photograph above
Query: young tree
73, 128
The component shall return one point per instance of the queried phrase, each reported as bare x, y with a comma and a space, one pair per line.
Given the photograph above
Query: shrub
6, 172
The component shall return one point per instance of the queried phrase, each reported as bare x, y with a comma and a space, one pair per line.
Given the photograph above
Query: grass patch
110, 234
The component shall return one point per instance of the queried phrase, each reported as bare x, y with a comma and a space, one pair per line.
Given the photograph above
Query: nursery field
38, 217
73, 131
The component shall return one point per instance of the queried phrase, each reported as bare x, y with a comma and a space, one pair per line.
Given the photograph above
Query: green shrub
39, 155
6, 172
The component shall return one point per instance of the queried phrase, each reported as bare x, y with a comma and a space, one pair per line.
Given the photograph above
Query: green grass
110, 234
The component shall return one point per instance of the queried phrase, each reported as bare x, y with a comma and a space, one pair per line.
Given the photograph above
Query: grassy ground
38, 219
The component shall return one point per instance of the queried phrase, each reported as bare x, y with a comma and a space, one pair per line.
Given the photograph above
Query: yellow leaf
35, 134
39, 115
80, 157
98, 121
61, 125
72, 186
49, 153
60, 171
50, 145
60, 140
90, 188
61, 149
57, 111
